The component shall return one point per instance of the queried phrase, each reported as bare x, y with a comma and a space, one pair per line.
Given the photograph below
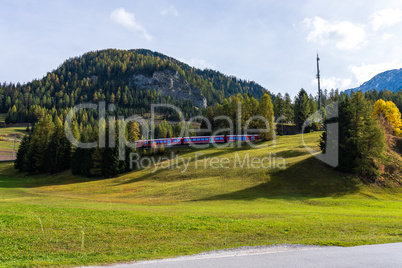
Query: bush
162, 149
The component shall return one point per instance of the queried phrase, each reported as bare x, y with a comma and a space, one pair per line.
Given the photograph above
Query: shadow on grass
291, 153
11, 178
156, 175
26, 180
306, 179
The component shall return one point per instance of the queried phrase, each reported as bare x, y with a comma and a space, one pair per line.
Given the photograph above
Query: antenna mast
319, 88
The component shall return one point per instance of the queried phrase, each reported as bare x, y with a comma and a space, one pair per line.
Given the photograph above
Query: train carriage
196, 140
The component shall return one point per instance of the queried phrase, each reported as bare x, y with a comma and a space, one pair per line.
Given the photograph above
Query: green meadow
3, 117
202, 202
8, 145
19, 131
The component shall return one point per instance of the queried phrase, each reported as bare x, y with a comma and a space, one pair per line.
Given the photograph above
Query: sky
273, 43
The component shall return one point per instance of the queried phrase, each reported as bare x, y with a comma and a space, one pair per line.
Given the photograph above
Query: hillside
130, 79
390, 80
64, 220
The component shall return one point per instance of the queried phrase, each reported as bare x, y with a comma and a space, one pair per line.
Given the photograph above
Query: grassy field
9, 145
164, 211
7, 136
13, 130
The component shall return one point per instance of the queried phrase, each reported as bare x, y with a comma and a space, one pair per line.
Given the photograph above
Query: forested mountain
130, 79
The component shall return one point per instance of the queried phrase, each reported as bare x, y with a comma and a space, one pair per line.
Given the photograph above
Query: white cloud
387, 36
344, 34
170, 11
385, 18
333, 83
128, 21
198, 63
365, 72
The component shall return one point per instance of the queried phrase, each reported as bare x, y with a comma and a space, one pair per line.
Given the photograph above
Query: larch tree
391, 114
266, 110
288, 112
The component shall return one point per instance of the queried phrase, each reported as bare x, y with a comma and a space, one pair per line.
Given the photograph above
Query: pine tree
279, 106
361, 139
21, 159
77, 152
76, 161
96, 169
110, 158
177, 129
39, 143
59, 150
368, 137
302, 108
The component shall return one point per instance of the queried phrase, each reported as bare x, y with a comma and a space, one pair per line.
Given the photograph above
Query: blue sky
271, 42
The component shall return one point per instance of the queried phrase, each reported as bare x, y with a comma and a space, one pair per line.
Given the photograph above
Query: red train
196, 140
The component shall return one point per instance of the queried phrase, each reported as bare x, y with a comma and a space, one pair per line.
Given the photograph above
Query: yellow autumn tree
391, 113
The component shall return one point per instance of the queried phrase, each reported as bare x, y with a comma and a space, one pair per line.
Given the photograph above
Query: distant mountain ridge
390, 80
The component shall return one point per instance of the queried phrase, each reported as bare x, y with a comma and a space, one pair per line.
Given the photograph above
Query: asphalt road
384, 255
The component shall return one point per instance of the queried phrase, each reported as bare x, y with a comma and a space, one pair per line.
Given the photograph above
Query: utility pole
319, 87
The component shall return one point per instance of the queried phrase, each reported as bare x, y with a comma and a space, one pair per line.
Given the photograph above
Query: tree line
239, 109
47, 149
363, 127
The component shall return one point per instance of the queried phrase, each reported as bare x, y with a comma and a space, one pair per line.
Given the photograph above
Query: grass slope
19, 131
62, 220
8, 145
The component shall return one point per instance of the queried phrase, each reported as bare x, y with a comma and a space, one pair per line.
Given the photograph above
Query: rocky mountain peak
169, 83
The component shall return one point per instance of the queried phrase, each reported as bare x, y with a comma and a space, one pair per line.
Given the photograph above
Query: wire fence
7, 156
